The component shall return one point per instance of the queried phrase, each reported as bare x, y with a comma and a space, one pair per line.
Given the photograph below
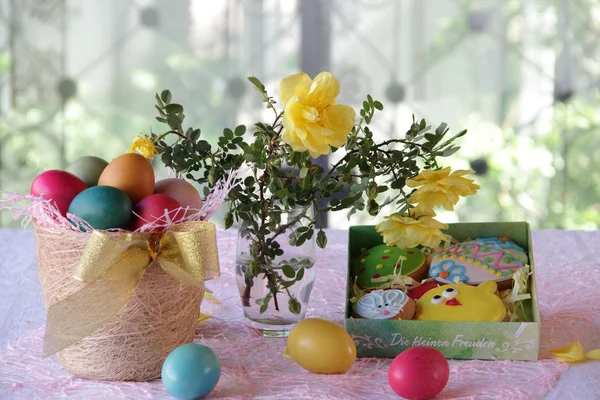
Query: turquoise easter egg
103, 207
191, 371
88, 169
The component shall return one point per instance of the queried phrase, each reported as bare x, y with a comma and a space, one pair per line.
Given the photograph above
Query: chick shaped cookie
460, 302
384, 304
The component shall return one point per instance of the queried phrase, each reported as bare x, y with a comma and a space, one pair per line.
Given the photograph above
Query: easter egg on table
153, 208
88, 169
191, 371
321, 346
103, 207
182, 191
132, 173
59, 186
418, 373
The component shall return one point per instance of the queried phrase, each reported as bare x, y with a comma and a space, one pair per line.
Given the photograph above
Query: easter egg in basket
131, 173
180, 190
59, 186
103, 207
153, 209
88, 169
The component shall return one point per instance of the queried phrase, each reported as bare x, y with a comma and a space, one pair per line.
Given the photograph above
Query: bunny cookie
385, 304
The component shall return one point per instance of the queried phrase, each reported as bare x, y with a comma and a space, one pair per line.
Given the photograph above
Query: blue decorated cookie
477, 261
384, 304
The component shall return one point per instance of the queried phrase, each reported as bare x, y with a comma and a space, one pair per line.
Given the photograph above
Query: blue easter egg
191, 371
103, 207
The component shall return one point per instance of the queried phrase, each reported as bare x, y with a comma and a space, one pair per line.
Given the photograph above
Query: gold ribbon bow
111, 267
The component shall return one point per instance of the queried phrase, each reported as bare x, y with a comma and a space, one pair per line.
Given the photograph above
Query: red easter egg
152, 209
418, 373
182, 191
419, 291
59, 186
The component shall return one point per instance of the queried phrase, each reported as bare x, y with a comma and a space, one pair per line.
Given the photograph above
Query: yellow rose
440, 188
143, 145
312, 120
406, 231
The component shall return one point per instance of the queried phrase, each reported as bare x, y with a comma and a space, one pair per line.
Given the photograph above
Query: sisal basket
160, 316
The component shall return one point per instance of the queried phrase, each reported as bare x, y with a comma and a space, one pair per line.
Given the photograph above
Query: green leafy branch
369, 176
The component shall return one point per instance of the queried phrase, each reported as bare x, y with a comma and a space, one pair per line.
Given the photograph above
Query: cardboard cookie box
457, 340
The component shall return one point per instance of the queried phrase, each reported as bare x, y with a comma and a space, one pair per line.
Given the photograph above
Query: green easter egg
381, 261
103, 207
88, 169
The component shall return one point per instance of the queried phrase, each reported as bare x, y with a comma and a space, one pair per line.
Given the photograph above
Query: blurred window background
78, 78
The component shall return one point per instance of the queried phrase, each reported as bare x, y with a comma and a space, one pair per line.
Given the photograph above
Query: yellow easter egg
321, 346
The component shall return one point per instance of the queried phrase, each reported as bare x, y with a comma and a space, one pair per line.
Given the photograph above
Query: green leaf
372, 190
288, 271
294, 306
303, 173
160, 110
228, 220
228, 133
254, 268
264, 303
300, 274
321, 239
257, 83
195, 135
165, 96
174, 121
378, 105
440, 130
287, 284
174, 108
240, 130
450, 151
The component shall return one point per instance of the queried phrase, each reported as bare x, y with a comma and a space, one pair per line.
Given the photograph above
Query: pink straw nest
160, 315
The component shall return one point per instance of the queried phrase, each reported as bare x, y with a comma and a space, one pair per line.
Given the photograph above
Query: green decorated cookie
387, 261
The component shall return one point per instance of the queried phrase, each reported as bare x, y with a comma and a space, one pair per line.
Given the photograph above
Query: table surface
567, 273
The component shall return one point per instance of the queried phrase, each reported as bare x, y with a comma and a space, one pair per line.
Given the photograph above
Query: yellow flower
440, 188
312, 120
406, 231
143, 145
573, 352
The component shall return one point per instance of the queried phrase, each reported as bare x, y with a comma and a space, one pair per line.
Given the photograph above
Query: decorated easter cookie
478, 261
381, 264
385, 304
460, 302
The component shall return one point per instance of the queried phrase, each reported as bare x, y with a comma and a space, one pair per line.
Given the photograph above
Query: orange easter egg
180, 190
132, 173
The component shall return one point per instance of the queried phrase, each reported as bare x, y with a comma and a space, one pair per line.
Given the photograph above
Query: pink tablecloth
568, 276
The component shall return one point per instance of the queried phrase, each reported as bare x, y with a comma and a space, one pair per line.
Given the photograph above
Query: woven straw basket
132, 346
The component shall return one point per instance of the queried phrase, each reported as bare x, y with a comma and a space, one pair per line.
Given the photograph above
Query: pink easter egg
152, 209
418, 373
180, 190
59, 186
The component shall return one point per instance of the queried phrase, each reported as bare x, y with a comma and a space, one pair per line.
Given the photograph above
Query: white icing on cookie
381, 304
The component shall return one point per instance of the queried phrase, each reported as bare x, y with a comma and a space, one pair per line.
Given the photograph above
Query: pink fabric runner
567, 273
